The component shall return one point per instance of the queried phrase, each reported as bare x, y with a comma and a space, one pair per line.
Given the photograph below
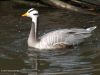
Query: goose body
55, 39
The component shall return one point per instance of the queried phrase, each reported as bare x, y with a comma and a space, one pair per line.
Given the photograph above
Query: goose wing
65, 36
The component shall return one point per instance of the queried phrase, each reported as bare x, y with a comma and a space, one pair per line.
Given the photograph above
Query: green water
17, 59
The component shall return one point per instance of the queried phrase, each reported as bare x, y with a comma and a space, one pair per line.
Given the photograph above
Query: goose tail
91, 28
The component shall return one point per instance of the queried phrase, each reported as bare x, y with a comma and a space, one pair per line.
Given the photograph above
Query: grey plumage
71, 36
55, 39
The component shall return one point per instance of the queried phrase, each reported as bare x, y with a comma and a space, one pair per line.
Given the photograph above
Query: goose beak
24, 14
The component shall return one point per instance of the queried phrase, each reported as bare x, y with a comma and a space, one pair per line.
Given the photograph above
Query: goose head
32, 13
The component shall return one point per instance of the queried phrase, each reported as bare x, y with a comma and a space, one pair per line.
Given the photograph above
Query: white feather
57, 38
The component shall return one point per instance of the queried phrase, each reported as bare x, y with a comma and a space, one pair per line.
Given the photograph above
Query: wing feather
65, 36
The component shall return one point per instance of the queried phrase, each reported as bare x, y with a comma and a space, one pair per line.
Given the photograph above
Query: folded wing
65, 36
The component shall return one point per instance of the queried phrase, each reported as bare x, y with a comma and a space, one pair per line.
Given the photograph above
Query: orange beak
24, 14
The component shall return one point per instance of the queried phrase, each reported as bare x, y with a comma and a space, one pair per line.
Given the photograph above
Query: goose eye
35, 14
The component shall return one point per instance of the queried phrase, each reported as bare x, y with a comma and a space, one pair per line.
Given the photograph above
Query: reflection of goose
55, 39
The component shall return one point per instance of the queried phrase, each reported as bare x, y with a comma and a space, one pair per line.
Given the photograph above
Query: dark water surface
17, 59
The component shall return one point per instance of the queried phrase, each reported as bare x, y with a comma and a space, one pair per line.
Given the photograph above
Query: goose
55, 39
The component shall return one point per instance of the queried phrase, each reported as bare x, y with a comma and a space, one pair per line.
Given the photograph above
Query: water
17, 59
